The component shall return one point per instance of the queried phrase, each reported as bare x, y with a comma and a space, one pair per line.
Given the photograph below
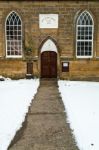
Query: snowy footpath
81, 100
15, 99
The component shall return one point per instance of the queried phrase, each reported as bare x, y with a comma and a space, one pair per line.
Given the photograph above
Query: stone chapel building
49, 38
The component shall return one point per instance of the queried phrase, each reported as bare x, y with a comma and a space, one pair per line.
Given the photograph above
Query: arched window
84, 36
13, 35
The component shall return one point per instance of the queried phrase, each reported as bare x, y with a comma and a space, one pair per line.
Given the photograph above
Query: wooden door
49, 64
29, 68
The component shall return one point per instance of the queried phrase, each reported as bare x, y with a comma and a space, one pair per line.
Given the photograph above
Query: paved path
45, 127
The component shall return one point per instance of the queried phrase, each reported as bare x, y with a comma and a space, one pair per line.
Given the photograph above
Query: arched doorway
49, 60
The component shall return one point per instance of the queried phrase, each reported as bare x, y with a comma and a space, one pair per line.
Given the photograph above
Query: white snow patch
81, 100
15, 99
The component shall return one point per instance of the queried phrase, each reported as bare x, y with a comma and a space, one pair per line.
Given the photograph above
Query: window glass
13, 35
84, 35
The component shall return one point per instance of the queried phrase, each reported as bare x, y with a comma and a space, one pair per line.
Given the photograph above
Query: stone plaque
48, 21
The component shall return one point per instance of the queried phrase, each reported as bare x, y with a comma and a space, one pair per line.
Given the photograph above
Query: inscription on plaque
48, 20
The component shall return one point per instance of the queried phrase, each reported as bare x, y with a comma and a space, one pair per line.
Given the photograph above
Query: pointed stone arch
49, 45
49, 40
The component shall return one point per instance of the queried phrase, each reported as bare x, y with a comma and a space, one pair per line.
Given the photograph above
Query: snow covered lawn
81, 100
15, 98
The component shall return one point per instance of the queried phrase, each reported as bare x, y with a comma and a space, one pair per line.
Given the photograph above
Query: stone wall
64, 36
13, 68
82, 70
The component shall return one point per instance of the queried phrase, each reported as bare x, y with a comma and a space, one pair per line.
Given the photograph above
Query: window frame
84, 40
6, 40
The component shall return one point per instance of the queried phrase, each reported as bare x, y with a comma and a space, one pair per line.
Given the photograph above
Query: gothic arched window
13, 35
84, 35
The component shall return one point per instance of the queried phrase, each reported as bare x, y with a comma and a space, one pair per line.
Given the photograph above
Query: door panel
49, 64
29, 68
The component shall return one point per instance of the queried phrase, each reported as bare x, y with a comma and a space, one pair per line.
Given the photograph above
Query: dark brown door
49, 64
29, 68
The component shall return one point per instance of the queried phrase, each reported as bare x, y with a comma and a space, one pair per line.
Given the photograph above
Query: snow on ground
15, 98
81, 100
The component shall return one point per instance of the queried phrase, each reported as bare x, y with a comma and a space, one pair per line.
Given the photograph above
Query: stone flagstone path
45, 127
